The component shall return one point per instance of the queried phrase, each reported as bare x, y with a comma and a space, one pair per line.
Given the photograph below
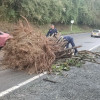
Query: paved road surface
10, 78
86, 41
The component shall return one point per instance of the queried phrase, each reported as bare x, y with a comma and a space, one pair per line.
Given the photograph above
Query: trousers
71, 41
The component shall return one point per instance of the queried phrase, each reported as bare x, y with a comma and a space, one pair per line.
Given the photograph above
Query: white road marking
21, 84
29, 80
94, 47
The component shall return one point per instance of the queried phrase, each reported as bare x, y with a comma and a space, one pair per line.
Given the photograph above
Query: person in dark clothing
69, 40
52, 31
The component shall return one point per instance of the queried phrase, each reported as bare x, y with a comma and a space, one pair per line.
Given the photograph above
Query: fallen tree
31, 51
28, 50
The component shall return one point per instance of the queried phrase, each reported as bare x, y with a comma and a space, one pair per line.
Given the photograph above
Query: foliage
74, 62
59, 68
85, 12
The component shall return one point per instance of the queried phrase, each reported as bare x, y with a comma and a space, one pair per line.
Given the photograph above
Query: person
69, 40
52, 31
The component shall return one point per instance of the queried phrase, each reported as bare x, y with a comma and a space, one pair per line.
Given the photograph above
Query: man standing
52, 31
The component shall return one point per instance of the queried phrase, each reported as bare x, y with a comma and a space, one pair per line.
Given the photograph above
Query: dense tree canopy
47, 11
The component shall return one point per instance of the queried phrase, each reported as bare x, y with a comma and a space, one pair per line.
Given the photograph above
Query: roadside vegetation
83, 12
30, 50
66, 29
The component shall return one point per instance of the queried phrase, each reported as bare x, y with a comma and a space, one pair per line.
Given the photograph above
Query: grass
66, 29
77, 29
63, 29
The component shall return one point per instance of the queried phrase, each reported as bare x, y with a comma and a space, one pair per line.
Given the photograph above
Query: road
86, 41
10, 78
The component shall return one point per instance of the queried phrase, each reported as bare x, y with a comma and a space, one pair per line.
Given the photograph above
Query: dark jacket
52, 32
68, 38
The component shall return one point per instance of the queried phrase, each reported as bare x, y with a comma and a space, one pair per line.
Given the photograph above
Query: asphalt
9, 78
86, 41
80, 84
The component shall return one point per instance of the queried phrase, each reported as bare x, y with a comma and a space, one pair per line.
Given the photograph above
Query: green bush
52, 11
